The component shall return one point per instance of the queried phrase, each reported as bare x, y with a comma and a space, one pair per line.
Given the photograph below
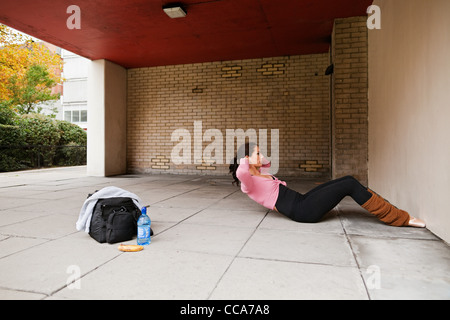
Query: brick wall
350, 98
286, 93
291, 94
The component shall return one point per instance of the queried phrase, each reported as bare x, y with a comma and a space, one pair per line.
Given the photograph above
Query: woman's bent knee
352, 178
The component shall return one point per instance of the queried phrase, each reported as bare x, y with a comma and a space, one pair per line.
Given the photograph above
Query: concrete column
107, 113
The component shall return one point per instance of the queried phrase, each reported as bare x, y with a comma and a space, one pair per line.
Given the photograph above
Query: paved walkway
211, 242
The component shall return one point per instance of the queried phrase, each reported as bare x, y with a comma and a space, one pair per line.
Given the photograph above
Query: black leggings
312, 206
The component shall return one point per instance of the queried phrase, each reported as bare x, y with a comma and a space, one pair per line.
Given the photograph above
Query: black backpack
114, 220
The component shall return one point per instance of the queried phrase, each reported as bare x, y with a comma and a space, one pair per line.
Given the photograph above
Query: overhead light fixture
175, 11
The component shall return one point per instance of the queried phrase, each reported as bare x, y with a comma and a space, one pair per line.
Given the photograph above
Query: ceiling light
175, 12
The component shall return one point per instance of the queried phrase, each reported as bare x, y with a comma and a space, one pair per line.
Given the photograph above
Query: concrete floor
211, 242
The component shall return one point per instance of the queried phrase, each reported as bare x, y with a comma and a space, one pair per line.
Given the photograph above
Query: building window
75, 116
68, 116
83, 115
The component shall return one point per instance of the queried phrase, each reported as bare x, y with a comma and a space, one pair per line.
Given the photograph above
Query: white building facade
74, 96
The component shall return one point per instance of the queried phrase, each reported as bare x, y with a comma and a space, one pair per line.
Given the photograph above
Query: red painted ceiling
137, 33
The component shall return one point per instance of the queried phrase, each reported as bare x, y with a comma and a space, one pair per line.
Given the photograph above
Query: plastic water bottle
143, 232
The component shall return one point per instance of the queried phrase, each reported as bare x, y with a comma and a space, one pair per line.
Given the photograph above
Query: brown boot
386, 212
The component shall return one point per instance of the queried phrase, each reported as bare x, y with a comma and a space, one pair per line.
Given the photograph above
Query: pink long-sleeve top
262, 190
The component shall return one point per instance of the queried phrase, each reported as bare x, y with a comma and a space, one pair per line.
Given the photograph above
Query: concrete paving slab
12, 192
78, 194
228, 218
254, 279
159, 227
404, 268
51, 226
17, 202
9, 217
42, 175
237, 201
211, 242
155, 197
6, 294
57, 206
156, 273
357, 222
45, 268
188, 201
218, 240
276, 221
328, 249
10, 245
160, 214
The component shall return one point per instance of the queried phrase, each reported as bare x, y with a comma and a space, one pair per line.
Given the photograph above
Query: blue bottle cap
144, 210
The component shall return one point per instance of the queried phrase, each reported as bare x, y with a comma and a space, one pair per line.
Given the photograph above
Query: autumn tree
31, 89
27, 71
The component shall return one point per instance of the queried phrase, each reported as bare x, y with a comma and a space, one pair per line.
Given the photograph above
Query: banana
130, 248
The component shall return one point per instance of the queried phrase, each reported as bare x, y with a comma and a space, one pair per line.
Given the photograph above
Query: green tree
31, 90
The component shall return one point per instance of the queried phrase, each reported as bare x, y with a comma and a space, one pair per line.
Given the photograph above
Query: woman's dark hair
243, 151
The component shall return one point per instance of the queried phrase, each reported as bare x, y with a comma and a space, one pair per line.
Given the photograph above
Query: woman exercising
311, 207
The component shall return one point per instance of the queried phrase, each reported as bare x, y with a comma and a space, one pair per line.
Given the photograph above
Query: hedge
37, 140
11, 158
